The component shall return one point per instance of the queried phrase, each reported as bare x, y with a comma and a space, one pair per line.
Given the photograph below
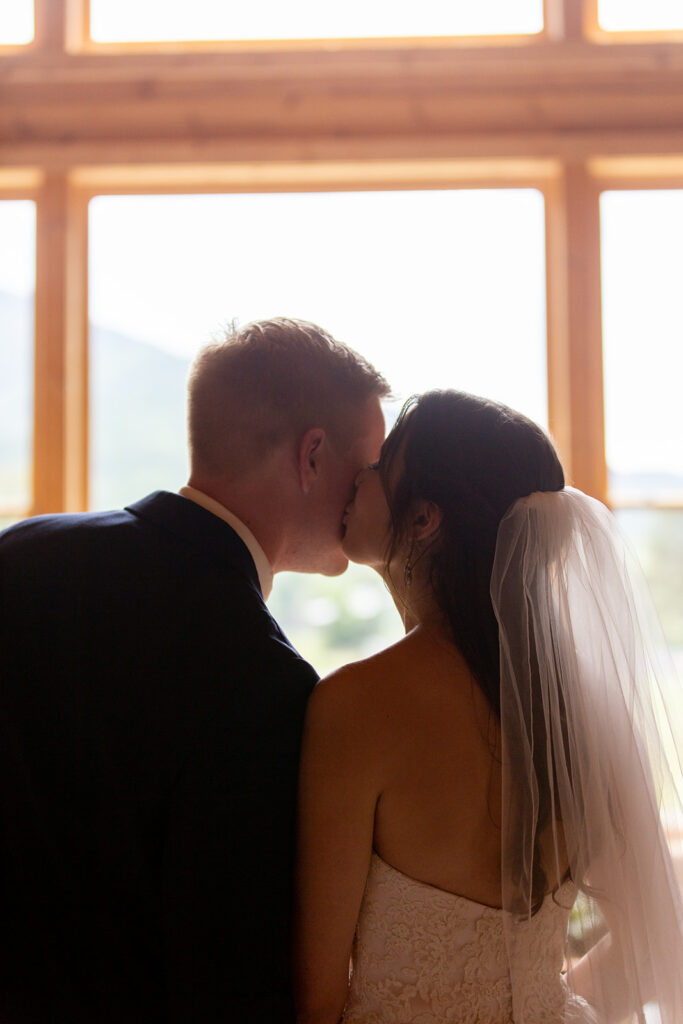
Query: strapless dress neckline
385, 865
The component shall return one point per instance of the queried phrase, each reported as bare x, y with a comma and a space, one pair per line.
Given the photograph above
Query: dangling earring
408, 569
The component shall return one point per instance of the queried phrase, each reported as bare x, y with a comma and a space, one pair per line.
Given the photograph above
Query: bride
482, 803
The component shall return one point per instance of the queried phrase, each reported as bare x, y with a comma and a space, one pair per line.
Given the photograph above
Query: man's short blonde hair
267, 381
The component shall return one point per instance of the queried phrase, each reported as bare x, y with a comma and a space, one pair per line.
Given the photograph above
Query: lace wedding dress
426, 956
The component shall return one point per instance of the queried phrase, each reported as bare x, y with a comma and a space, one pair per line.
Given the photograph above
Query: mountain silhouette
137, 418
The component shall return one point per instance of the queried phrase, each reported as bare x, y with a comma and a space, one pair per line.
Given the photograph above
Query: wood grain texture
538, 96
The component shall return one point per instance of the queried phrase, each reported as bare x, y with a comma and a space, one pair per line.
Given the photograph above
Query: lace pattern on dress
425, 956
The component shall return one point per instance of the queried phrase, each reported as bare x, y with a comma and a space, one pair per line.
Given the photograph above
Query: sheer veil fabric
591, 720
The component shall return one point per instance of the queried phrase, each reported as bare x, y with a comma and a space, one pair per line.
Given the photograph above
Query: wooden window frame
22, 183
571, 112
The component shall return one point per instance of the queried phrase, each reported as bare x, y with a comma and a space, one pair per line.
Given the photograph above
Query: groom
151, 709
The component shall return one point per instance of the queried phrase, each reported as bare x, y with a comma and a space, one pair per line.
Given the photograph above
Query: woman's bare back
438, 814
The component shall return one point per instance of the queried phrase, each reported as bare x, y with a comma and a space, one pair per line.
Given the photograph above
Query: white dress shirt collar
263, 567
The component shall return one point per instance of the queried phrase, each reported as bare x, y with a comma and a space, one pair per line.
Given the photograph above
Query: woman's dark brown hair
473, 458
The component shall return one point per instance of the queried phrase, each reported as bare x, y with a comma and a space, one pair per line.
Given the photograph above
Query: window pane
438, 289
656, 536
17, 285
642, 270
307, 19
636, 15
16, 21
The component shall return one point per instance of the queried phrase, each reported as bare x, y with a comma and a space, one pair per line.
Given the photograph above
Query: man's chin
335, 565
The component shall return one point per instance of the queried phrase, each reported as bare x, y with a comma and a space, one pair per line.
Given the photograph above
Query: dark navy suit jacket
150, 722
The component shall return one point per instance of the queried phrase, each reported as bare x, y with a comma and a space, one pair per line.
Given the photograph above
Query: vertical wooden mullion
77, 25
61, 372
570, 19
50, 25
557, 320
49, 368
575, 364
77, 353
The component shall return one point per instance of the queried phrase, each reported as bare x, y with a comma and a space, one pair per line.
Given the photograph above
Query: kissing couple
194, 829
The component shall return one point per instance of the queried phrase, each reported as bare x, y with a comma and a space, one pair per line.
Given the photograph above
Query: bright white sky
215, 19
405, 277
647, 15
16, 21
642, 286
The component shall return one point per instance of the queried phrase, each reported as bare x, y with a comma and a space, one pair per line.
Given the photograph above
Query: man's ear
309, 454
427, 519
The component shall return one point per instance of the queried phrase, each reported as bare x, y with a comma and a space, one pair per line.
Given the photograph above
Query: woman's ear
427, 519
308, 457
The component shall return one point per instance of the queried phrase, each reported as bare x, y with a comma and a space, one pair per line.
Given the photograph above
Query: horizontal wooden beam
508, 147
542, 96
19, 181
474, 67
329, 175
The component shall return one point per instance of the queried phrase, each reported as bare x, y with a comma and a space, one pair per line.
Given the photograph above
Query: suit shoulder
37, 528
259, 632
50, 539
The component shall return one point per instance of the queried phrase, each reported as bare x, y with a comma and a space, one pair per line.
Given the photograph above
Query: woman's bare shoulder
356, 679
351, 695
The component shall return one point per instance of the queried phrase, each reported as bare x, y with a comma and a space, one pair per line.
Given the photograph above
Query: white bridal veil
591, 720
